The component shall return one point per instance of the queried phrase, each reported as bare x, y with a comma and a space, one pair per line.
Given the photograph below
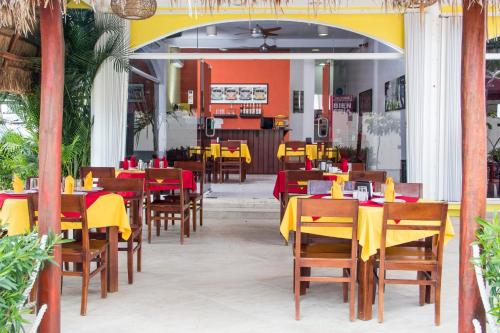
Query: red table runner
90, 198
279, 185
187, 179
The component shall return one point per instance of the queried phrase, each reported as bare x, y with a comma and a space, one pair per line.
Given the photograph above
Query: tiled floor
235, 275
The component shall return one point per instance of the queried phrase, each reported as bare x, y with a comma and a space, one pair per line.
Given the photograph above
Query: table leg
113, 259
365, 289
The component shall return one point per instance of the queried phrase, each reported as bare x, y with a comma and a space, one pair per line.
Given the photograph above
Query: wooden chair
133, 192
233, 164
97, 172
409, 189
82, 251
171, 205
292, 179
196, 199
374, 176
341, 214
326, 149
354, 166
295, 162
200, 154
421, 260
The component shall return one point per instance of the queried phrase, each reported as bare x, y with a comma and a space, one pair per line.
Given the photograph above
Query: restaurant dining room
248, 166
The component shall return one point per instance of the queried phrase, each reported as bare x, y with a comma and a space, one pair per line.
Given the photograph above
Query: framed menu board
238, 93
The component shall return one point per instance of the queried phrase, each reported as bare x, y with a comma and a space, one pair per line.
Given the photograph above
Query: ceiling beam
269, 56
233, 43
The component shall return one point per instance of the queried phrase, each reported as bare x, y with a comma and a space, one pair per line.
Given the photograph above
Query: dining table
370, 219
188, 179
104, 210
216, 152
312, 152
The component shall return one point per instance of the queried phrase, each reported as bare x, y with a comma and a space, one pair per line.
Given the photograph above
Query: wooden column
474, 156
50, 133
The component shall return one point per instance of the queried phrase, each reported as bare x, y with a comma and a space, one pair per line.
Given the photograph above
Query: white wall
302, 77
181, 130
358, 76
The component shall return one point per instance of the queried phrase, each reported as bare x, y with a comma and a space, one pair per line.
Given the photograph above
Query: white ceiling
293, 36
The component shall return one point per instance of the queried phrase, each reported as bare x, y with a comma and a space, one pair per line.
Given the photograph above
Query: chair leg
139, 254
201, 212
130, 260
182, 228
166, 216
158, 224
85, 288
193, 209
437, 303
381, 286
345, 286
104, 274
297, 292
148, 221
421, 289
352, 294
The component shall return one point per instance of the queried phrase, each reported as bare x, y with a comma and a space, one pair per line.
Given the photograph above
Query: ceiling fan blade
272, 47
270, 34
242, 33
266, 30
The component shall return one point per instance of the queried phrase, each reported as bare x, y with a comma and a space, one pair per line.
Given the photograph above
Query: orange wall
276, 73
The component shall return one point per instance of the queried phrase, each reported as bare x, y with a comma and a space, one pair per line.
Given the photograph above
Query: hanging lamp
134, 9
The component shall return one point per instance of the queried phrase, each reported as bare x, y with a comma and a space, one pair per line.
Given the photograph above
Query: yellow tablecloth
369, 229
245, 152
107, 211
214, 152
311, 152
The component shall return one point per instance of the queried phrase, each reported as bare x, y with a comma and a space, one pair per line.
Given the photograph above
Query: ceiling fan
259, 32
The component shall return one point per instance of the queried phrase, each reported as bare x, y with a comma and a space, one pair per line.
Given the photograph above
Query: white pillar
308, 82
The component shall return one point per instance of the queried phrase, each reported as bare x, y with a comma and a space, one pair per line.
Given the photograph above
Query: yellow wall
385, 27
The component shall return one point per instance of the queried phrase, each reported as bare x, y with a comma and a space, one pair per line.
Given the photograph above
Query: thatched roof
15, 66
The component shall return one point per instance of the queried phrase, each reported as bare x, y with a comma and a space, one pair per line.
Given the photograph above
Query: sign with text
344, 103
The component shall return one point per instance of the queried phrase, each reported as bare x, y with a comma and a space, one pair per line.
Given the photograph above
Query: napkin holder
367, 184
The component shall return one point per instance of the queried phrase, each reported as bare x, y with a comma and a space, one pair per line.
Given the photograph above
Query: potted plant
486, 259
21, 258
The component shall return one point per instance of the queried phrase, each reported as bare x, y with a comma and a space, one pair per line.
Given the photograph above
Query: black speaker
266, 123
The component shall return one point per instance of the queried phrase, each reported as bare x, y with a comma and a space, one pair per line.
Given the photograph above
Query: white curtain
109, 111
432, 48
450, 143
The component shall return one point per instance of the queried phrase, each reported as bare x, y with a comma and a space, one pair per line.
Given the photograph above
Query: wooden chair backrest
98, 172
171, 176
341, 213
354, 166
374, 176
292, 177
130, 185
294, 147
409, 189
231, 146
413, 215
197, 167
70, 203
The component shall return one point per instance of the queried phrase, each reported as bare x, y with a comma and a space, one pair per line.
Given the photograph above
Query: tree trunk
474, 157
50, 133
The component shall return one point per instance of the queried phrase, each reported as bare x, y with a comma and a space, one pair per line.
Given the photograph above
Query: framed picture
239, 93
365, 101
395, 98
135, 92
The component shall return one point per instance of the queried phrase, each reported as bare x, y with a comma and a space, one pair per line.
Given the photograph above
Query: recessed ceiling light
322, 64
322, 31
223, 49
211, 31
315, 50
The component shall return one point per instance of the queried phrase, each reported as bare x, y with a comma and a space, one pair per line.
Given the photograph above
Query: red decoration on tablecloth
344, 165
125, 164
133, 161
156, 163
165, 162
